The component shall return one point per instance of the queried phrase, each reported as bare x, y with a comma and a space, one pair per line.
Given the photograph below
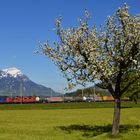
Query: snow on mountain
12, 72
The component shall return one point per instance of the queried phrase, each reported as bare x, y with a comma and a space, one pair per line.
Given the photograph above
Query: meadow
67, 121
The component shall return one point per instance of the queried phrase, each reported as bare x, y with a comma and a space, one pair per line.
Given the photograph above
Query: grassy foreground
78, 105
67, 124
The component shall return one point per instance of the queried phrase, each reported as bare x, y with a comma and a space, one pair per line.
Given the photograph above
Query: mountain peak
12, 71
13, 81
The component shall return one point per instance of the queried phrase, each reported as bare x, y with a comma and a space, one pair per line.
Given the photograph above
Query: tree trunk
116, 118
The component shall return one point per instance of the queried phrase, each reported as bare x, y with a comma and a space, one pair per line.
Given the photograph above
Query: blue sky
23, 23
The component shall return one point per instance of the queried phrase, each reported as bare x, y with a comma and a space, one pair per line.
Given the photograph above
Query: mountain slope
88, 91
14, 83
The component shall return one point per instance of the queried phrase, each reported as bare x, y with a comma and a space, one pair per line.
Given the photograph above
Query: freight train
29, 99
34, 99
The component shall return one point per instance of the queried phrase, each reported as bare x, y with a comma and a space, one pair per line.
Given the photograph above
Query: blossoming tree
108, 55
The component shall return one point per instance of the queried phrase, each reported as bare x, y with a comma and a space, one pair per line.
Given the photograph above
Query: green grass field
70, 121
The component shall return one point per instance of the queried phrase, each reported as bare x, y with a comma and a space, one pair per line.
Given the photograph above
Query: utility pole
82, 92
21, 92
94, 90
51, 93
11, 90
63, 95
94, 93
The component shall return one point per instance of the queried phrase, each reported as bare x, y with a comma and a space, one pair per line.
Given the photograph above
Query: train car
54, 99
2, 99
108, 98
42, 99
8, 100
88, 99
5, 100
78, 99
98, 99
68, 99
26, 99
17, 100
29, 99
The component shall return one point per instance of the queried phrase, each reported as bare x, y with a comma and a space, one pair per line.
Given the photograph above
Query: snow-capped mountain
12, 72
14, 83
